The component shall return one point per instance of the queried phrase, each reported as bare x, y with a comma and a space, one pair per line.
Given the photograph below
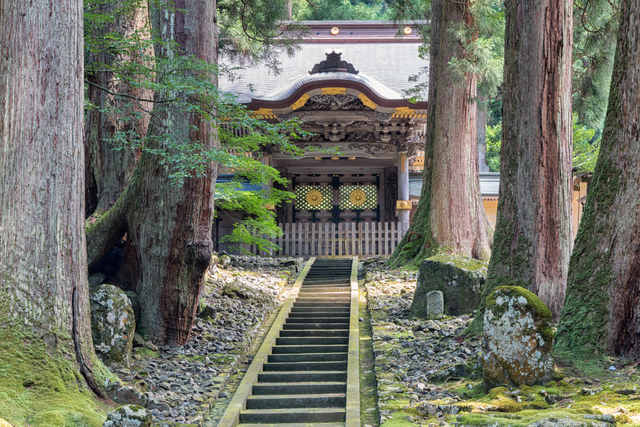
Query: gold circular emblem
314, 197
358, 197
335, 31
407, 30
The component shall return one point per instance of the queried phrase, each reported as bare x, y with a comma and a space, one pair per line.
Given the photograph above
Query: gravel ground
181, 383
412, 355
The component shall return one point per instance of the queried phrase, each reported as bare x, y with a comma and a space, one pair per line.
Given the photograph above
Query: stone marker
518, 340
460, 280
435, 304
112, 324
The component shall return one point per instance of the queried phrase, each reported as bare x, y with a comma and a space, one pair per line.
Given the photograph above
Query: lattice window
358, 197
313, 197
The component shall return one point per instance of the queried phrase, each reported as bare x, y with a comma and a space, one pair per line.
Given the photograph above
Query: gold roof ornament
335, 31
407, 30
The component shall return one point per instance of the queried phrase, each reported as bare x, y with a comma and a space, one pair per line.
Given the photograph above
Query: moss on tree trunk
602, 306
533, 239
450, 217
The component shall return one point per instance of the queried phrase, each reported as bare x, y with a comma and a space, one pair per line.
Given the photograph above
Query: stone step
330, 348
311, 340
308, 387
302, 376
319, 313
305, 366
307, 357
314, 325
319, 283
322, 309
314, 299
297, 401
320, 292
315, 333
323, 289
321, 304
296, 425
293, 415
323, 319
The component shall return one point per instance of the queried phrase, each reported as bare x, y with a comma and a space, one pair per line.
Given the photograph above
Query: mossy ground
580, 387
368, 394
37, 389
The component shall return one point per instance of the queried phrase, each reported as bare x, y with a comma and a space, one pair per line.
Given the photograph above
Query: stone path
310, 376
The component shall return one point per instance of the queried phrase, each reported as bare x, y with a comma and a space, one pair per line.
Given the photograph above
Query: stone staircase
304, 376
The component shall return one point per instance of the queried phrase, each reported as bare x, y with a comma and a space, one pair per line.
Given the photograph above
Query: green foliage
483, 41
585, 147
494, 141
341, 10
253, 31
595, 31
260, 224
143, 60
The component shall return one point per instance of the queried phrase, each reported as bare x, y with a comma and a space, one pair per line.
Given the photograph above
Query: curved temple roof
285, 92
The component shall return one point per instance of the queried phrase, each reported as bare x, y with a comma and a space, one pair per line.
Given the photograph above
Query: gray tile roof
391, 64
489, 184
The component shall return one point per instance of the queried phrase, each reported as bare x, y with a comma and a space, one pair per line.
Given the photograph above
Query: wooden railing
344, 239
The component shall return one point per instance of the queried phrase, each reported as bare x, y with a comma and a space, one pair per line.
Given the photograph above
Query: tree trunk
450, 216
532, 241
482, 134
108, 169
169, 226
602, 310
43, 265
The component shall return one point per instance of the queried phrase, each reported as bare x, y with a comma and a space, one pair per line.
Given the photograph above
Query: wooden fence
344, 239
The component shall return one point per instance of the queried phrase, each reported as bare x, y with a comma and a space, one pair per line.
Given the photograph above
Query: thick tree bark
532, 241
109, 170
43, 267
169, 227
450, 216
602, 308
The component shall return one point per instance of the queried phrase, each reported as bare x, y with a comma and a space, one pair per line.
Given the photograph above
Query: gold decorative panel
334, 91
313, 197
358, 197
300, 102
403, 205
366, 101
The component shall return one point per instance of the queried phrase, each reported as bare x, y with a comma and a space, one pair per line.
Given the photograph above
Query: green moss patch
37, 389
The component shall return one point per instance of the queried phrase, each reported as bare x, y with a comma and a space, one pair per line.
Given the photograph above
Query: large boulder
129, 416
112, 324
460, 280
518, 339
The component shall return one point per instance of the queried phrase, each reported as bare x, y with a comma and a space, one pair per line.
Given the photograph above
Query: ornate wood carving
332, 64
374, 150
333, 103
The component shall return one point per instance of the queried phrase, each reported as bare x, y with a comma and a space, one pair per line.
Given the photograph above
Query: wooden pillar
404, 204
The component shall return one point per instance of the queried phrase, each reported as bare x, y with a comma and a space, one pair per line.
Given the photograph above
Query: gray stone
518, 339
435, 304
224, 261
112, 324
460, 280
125, 395
96, 278
129, 416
